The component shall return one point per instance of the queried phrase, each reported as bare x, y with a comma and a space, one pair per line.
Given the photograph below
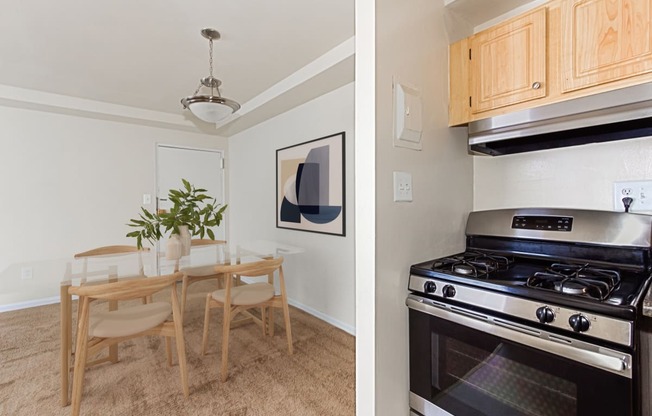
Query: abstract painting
310, 186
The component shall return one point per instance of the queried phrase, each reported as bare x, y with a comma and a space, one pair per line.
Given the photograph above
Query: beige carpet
319, 379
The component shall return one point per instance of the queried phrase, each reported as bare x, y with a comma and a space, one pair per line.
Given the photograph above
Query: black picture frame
310, 186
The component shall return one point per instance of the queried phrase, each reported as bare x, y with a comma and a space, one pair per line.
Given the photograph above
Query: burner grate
473, 264
577, 280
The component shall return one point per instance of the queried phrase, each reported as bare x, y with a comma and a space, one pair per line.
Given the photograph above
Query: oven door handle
590, 354
607, 362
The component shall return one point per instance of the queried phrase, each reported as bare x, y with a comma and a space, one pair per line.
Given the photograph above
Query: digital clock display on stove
543, 223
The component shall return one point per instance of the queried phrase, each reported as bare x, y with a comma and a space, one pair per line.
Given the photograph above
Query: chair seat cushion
128, 321
250, 294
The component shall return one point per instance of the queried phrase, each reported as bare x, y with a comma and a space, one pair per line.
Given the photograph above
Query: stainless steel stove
539, 316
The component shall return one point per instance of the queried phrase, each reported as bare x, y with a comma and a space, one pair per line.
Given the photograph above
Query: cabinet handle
536, 85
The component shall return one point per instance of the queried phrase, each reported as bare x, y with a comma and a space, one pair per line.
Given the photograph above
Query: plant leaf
186, 184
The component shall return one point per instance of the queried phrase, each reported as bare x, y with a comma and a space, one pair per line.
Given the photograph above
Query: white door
203, 168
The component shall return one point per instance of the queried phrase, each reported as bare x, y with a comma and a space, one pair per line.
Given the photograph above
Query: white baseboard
55, 299
29, 304
338, 324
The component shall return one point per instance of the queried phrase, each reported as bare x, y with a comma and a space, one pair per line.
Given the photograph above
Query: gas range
540, 315
573, 270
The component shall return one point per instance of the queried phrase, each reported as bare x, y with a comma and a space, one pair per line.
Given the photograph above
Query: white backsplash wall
321, 280
572, 177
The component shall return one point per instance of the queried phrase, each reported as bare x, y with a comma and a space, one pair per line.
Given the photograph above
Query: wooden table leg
113, 349
66, 343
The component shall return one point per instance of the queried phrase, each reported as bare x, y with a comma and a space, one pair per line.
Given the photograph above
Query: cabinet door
604, 41
508, 62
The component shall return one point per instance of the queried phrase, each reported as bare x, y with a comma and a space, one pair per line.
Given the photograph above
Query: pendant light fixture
211, 108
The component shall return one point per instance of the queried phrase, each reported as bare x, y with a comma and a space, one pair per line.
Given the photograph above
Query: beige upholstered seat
97, 331
126, 322
251, 294
238, 299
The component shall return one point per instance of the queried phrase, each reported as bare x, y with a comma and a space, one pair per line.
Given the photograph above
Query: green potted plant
193, 211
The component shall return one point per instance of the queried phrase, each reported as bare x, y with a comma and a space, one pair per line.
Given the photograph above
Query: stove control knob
430, 287
448, 291
579, 323
545, 315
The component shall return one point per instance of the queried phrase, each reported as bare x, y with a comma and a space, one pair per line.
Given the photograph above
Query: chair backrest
202, 242
196, 242
264, 267
127, 289
111, 251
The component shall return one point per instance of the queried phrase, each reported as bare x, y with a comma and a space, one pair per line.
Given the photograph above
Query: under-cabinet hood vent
615, 115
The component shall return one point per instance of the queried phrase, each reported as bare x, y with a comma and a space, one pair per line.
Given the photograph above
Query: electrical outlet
402, 187
639, 191
25, 272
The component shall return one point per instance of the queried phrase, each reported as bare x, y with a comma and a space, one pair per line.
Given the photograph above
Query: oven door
464, 363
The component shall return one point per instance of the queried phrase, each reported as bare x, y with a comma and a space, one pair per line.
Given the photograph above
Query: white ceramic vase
185, 239
174, 248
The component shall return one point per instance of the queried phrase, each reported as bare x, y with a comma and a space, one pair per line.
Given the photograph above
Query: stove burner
464, 268
578, 280
570, 288
473, 264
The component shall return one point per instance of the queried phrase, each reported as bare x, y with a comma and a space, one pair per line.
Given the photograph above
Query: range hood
614, 115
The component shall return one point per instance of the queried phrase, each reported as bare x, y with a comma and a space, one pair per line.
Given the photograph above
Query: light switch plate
407, 117
402, 187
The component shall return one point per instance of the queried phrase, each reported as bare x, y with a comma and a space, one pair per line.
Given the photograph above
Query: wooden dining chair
111, 252
197, 274
239, 299
100, 329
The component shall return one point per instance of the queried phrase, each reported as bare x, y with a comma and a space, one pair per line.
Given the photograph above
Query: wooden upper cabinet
604, 41
508, 62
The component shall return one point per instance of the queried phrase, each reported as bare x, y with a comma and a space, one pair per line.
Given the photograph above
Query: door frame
225, 222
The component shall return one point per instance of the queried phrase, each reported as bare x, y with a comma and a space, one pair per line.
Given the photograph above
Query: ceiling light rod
210, 81
210, 108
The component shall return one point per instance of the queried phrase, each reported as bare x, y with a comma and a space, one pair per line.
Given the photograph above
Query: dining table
143, 264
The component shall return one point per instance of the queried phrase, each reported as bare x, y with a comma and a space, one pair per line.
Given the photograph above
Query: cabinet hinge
222, 163
469, 54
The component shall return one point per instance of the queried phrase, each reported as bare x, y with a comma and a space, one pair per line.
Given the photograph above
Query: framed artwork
310, 186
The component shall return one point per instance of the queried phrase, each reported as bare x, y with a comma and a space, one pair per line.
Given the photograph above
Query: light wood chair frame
266, 321
125, 290
68, 352
189, 278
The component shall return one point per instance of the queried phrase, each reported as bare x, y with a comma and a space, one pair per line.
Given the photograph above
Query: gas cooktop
565, 282
596, 261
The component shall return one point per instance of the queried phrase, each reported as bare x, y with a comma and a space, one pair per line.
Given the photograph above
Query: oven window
482, 378
467, 372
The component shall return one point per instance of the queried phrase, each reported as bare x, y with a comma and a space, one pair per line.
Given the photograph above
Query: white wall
320, 280
411, 44
70, 184
574, 177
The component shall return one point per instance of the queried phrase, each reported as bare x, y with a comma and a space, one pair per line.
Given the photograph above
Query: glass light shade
209, 108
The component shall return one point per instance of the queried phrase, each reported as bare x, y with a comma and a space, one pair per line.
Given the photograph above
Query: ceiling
133, 61
149, 54
477, 12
